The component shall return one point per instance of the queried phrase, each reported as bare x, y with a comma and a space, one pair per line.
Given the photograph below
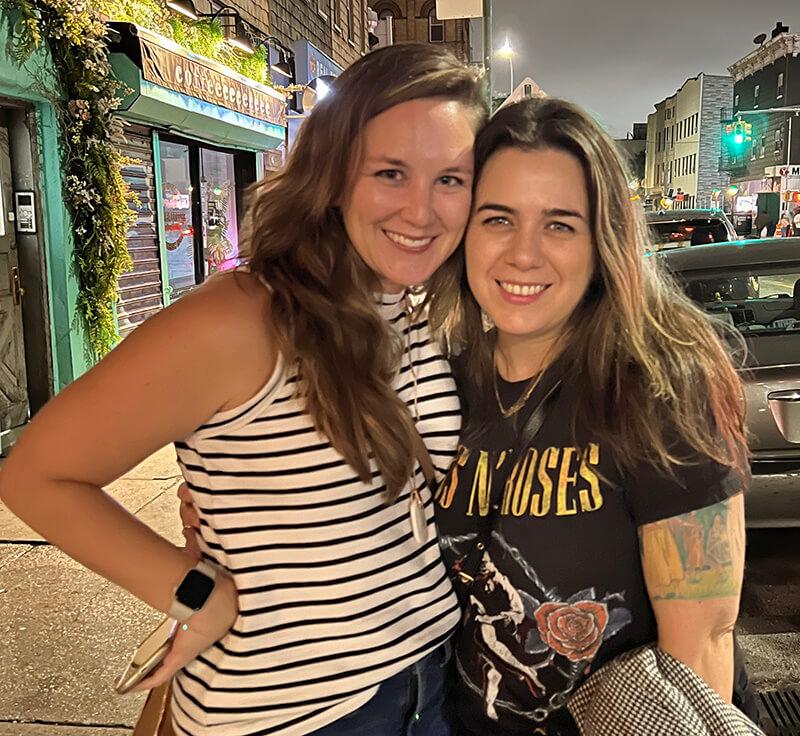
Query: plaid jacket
646, 692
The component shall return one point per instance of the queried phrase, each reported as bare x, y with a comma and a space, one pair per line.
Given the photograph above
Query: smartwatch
193, 592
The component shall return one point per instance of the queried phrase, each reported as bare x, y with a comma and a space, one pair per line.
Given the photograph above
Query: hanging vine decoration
84, 94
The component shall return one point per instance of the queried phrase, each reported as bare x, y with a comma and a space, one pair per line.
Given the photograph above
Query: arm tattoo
695, 555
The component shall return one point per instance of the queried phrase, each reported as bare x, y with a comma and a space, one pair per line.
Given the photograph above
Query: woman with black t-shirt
596, 501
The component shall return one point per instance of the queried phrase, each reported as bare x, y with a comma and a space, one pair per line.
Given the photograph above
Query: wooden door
14, 407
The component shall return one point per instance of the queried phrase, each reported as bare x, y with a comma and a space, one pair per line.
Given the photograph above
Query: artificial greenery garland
203, 37
84, 94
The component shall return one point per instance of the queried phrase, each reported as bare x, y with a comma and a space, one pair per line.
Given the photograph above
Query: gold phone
148, 656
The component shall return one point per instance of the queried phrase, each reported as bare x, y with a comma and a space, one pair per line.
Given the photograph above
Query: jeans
411, 703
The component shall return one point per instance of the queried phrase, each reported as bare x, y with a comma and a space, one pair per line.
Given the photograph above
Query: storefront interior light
184, 7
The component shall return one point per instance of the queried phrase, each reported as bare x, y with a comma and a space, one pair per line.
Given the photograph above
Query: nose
418, 208
525, 250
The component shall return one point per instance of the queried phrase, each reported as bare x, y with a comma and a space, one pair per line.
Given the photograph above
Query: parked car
682, 228
770, 326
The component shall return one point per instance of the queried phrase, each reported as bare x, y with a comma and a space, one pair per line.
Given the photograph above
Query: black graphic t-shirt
560, 589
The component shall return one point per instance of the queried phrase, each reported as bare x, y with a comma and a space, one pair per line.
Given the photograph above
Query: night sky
619, 57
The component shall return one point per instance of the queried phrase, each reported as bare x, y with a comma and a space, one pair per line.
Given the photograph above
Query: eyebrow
552, 212
402, 164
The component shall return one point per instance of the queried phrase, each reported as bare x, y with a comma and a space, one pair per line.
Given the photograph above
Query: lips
409, 243
515, 288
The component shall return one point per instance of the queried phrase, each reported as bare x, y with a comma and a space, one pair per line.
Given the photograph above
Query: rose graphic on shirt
575, 629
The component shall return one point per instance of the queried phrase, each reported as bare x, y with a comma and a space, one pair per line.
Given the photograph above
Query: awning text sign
190, 77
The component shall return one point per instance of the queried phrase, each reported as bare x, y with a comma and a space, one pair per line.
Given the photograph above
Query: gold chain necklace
521, 401
526, 394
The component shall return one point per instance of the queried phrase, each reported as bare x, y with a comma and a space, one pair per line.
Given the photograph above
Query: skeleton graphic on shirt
512, 638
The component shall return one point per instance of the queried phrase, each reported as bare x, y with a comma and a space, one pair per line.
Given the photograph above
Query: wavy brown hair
654, 374
323, 307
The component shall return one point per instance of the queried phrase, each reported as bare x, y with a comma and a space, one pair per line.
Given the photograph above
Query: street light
506, 51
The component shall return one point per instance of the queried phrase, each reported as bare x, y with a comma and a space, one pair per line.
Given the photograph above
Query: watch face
194, 590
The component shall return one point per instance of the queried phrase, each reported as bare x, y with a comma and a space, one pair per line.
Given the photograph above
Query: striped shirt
335, 594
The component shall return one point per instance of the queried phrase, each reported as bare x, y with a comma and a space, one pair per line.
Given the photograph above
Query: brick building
402, 21
683, 144
335, 27
766, 94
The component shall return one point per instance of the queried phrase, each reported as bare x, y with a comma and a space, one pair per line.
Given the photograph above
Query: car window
758, 301
682, 233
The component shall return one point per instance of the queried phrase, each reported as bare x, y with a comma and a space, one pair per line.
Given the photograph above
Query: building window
779, 140
756, 93
385, 30
763, 145
736, 102
435, 28
780, 85
350, 20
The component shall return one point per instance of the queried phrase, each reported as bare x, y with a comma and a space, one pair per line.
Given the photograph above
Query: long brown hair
323, 295
652, 368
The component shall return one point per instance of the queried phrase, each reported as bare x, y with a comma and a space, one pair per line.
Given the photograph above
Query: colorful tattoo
695, 555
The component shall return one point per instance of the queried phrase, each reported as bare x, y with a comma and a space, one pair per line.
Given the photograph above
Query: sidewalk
65, 633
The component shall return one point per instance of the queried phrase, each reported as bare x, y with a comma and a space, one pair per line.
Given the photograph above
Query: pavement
65, 633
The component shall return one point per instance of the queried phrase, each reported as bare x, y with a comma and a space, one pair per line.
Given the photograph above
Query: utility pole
487, 49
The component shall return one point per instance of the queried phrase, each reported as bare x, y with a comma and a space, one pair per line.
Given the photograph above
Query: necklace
526, 394
521, 401
416, 506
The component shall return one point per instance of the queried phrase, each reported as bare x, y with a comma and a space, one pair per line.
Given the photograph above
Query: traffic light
736, 135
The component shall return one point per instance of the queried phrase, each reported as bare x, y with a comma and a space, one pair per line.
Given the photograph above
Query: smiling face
409, 199
529, 249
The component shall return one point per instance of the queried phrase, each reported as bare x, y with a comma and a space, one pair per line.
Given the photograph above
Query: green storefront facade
193, 152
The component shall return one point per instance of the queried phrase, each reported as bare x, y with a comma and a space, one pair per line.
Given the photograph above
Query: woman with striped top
294, 393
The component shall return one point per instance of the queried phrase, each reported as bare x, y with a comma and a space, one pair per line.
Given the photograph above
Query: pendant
416, 512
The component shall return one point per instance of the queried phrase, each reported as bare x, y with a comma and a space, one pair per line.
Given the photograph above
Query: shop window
179, 234
218, 211
435, 28
201, 190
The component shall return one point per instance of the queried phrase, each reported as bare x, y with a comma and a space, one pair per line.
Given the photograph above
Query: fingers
189, 515
192, 546
184, 494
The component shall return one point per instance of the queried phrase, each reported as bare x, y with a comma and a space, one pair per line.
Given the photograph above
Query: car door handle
785, 407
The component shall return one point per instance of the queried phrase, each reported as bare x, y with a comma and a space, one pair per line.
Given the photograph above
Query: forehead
433, 130
539, 178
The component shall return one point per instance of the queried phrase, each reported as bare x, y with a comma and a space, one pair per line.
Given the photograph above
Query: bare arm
208, 352
693, 566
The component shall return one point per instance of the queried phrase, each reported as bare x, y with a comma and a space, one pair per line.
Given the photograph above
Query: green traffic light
738, 139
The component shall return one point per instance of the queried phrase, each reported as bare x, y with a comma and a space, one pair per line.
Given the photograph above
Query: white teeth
522, 289
408, 242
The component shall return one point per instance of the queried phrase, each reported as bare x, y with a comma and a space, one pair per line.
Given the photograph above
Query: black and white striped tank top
335, 594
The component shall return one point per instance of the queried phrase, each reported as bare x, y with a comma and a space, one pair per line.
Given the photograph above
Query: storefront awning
192, 95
